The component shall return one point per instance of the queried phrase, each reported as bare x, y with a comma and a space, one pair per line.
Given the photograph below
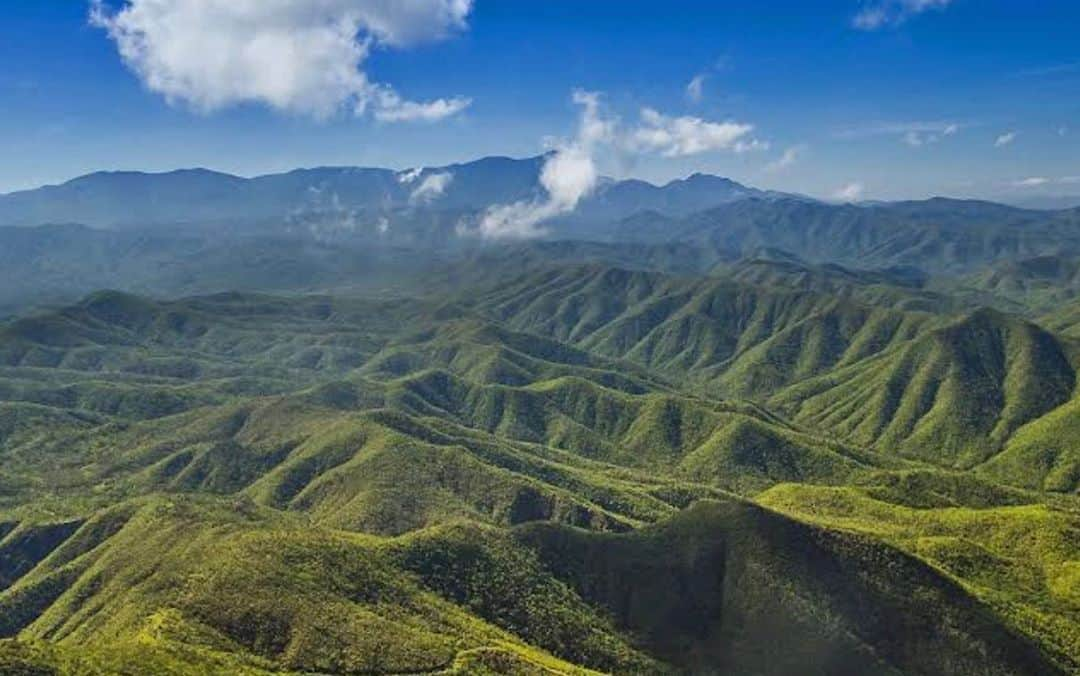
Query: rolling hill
248, 483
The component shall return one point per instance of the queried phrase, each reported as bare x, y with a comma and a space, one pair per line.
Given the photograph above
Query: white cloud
849, 193
1033, 182
392, 108
432, 187
696, 88
1043, 181
913, 139
570, 172
1005, 139
298, 56
876, 14
929, 134
789, 158
682, 136
568, 175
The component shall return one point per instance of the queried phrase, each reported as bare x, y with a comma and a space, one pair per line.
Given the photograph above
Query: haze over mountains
182, 231
308, 423
338, 201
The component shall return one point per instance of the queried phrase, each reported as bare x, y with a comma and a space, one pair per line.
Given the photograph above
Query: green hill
952, 397
202, 585
578, 469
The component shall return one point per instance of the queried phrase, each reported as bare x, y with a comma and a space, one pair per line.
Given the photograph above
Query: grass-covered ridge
574, 469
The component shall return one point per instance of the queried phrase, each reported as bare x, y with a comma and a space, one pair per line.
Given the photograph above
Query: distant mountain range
198, 231
336, 202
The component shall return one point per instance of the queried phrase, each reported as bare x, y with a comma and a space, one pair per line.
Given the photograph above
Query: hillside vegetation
552, 464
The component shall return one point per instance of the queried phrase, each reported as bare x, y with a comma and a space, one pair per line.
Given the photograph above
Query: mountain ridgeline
301, 424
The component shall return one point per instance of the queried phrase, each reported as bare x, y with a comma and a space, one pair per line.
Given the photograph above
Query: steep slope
952, 397
1019, 557
1043, 454
698, 329
197, 585
536, 478
1029, 286
191, 586
708, 589
898, 288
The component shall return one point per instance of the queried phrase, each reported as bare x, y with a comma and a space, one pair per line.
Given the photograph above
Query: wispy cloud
878, 14
1043, 181
1032, 182
1005, 139
296, 56
1050, 70
850, 192
695, 89
788, 159
918, 133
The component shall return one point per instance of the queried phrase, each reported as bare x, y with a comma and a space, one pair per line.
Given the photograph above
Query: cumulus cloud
570, 172
682, 136
849, 193
696, 88
787, 159
432, 187
568, 175
298, 56
877, 14
1005, 139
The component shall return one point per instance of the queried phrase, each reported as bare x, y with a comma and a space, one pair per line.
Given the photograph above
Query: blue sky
957, 97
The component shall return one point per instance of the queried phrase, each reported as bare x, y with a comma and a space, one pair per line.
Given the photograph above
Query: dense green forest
548, 458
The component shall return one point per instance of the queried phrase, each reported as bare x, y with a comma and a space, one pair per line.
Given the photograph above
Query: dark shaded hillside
713, 587
200, 583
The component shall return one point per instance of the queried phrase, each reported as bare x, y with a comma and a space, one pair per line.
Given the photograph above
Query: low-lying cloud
298, 56
570, 172
849, 193
431, 187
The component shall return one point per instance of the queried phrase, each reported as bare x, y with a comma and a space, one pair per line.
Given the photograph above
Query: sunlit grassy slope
578, 469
